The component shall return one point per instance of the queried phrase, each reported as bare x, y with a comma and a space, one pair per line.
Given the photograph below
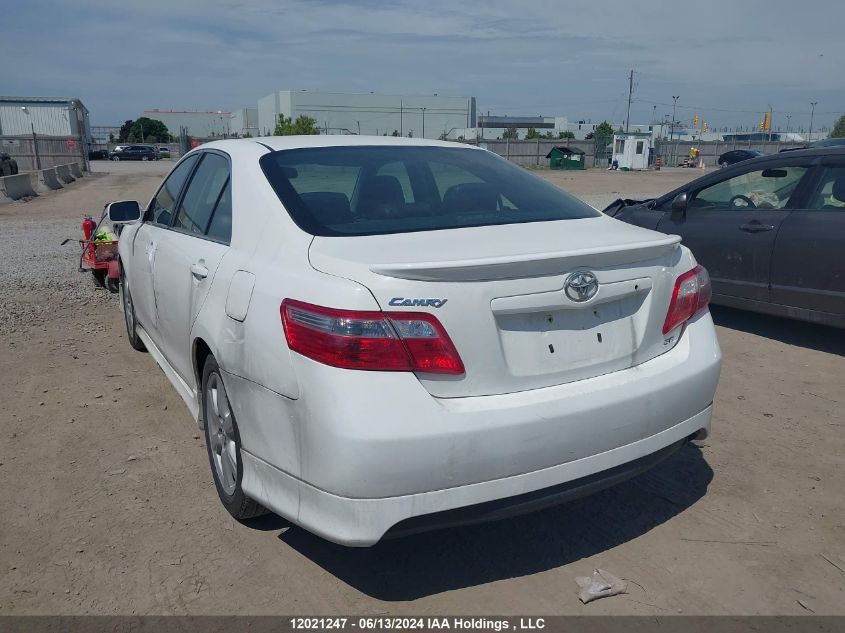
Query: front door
188, 256
808, 270
731, 225
145, 246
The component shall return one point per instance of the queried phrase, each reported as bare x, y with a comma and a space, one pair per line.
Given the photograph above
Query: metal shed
567, 158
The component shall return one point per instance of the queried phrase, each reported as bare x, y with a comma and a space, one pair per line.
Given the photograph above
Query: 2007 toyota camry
386, 335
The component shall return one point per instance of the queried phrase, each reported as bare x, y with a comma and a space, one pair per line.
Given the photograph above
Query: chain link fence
598, 150
33, 152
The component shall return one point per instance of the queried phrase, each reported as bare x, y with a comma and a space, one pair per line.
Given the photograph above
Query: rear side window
830, 192
164, 204
220, 228
202, 194
372, 190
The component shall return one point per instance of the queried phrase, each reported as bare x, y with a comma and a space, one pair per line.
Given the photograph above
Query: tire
223, 445
115, 158
145, 158
129, 315
723, 164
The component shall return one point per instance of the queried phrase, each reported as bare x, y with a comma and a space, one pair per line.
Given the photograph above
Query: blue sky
727, 59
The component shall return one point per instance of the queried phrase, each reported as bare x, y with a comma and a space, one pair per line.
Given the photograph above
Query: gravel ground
109, 506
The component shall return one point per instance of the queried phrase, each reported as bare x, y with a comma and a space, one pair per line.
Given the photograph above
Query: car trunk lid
499, 292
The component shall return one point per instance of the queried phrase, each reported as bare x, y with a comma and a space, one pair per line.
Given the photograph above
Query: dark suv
134, 152
8, 165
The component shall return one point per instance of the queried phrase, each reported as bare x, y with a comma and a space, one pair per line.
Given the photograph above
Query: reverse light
370, 340
690, 296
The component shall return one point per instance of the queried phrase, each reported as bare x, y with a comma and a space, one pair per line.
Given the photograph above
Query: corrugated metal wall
47, 119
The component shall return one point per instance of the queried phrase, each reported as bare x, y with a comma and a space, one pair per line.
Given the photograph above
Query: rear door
156, 220
731, 225
808, 270
188, 256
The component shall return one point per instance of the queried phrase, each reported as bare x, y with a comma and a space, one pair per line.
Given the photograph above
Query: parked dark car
738, 155
134, 152
98, 154
8, 165
770, 231
829, 142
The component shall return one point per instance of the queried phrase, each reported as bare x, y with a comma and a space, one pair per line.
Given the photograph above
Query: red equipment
88, 226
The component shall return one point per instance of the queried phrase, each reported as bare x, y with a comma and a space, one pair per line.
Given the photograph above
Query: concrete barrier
17, 186
76, 170
3, 196
46, 180
63, 172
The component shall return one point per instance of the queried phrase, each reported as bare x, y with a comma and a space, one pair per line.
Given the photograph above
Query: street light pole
812, 112
674, 104
423, 122
34, 138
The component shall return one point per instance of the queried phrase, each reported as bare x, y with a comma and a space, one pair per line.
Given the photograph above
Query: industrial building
424, 116
214, 124
45, 116
244, 122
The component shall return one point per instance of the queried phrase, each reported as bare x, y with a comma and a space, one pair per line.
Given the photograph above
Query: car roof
275, 143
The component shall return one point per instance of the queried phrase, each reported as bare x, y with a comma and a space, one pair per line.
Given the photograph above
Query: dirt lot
109, 505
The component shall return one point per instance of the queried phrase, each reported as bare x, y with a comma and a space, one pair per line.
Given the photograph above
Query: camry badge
402, 301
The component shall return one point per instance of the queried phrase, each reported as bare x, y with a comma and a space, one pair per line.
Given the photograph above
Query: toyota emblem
581, 286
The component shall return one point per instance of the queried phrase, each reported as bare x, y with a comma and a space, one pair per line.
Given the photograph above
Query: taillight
691, 295
371, 340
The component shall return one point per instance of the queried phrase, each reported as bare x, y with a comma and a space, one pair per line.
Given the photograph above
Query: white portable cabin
631, 150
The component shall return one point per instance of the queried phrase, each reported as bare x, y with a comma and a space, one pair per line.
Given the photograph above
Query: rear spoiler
620, 203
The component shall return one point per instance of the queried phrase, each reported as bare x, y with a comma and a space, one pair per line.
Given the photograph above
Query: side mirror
124, 212
679, 205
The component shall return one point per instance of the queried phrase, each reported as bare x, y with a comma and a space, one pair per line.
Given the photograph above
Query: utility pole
630, 92
812, 112
788, 118
401, 131
423, 123
674, 104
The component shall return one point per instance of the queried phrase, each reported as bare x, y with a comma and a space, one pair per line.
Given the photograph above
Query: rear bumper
374, 452
363, 522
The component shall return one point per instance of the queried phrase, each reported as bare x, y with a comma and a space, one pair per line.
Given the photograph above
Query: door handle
756, 227
199, 271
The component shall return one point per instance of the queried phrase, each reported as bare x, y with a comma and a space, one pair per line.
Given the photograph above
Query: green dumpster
562, 157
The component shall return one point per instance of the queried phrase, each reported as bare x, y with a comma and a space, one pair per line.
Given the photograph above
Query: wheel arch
200, 352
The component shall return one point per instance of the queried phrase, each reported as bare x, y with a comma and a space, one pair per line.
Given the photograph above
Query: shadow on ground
789, 331
430, 563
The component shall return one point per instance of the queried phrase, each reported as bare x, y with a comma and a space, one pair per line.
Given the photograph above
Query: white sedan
388, 335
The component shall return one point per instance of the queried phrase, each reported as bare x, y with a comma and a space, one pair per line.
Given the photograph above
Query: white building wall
47, 119
341, 113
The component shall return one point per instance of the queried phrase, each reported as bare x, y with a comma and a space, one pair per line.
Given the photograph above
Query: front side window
372, 190
830, 192
164, 204
202, 194
760, 189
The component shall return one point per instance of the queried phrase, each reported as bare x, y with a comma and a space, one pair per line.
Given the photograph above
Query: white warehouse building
428, 116
44, 116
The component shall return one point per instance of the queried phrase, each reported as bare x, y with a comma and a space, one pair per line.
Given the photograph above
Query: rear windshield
372, 190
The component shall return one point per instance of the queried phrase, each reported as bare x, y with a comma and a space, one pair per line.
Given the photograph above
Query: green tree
304, 125
510, 133
838, 130
566, 134
123, 133
395, 133
603, 129
531, 134
146, 130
